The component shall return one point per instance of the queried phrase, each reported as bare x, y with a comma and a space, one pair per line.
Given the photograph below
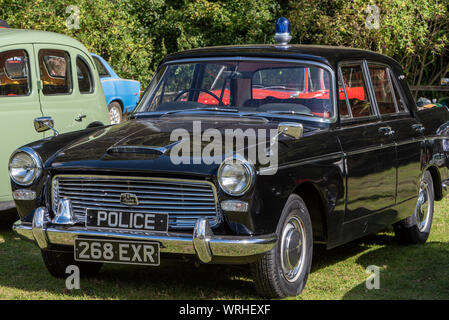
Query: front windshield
246, 86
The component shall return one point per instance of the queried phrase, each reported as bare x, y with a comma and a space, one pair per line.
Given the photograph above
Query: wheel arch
95, 124
314, 200
436, 178
119, 101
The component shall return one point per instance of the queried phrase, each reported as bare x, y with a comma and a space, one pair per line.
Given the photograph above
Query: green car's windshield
246, 86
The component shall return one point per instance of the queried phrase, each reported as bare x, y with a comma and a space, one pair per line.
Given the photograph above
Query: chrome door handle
80, 117
418, 127
387, 131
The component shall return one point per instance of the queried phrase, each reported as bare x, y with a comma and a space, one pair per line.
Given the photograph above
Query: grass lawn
406, 272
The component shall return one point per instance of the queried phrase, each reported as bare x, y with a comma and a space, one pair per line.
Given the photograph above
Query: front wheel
284, 270
57, 263
416, 228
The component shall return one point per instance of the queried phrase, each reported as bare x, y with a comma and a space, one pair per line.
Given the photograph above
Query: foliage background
134, 35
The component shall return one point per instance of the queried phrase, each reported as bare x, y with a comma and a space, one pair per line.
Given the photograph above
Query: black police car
242, 155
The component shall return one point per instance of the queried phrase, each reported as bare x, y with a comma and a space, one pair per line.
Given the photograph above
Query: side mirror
291, 129
43, 124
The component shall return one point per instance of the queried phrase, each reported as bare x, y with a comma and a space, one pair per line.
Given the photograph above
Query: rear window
102, 71
14, 73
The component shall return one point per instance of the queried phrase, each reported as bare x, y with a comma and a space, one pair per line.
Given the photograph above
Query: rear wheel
57, 263
416, 228
284, 270
115, 112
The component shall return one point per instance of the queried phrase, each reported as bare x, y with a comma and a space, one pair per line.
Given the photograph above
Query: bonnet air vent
137, 150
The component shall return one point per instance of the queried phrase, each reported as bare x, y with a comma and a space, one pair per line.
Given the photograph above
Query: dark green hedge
134, 35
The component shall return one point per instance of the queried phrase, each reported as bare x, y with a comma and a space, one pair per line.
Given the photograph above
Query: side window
14, 73
382, 88
54, 67
356, 90
84, 76
397, 95
102, 71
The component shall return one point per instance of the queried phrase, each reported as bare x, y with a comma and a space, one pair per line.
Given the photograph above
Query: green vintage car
43, 75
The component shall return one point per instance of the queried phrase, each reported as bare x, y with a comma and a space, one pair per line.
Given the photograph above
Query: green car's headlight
25, 166
236, 175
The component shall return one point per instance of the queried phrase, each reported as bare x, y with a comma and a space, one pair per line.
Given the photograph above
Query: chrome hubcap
114, 116
422, 211
292, 249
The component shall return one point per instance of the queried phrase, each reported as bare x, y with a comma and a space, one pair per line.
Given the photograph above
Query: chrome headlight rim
37, 160
249, 168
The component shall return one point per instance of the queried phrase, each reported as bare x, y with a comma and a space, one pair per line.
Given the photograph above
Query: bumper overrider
202, 242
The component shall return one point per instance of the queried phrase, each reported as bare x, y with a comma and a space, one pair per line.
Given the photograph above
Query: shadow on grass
323, 258
407, 272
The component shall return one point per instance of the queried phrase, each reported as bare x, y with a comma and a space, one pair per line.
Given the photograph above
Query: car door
408, 132
19, 106
367, 143
58, 93
89, 93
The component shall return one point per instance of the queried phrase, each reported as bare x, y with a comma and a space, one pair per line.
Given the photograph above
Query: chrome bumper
202, 243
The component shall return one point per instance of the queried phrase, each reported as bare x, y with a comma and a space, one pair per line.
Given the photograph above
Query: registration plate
117, 251
131, 221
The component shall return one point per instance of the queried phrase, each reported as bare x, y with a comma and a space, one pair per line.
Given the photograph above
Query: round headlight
235, 175
25, 166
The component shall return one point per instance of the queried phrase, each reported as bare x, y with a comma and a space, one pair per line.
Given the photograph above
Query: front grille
183, 200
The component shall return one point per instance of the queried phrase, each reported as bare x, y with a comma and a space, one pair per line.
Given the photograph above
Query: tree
413, 32
105, 27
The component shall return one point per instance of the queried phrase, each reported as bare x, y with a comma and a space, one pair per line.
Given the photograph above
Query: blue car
121, 94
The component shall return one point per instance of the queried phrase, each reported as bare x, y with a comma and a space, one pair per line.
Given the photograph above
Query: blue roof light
283, 25
282, 35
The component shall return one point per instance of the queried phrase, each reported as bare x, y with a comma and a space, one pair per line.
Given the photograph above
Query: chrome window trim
346, 96
391, 79
362, 63
331, 71
401, 94
370, 88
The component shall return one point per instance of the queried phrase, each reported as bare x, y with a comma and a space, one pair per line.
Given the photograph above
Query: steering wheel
220, 102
